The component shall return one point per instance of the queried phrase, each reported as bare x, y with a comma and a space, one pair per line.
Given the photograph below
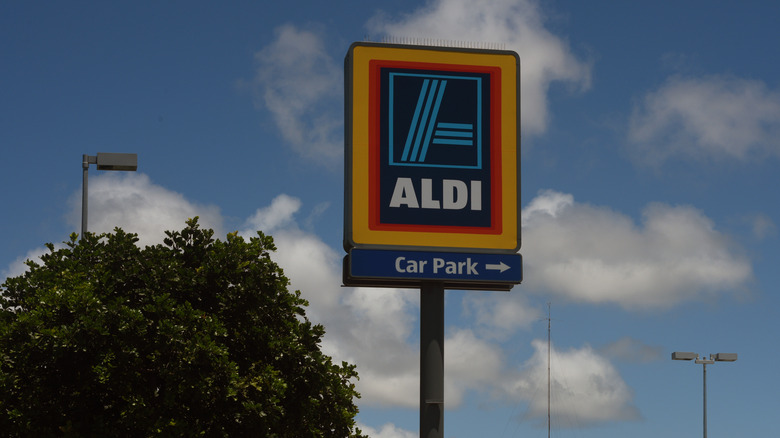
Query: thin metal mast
549, 386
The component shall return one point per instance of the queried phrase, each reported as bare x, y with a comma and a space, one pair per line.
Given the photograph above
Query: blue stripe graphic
439, 95
439, 132
445, 125
453, 142
460, 131
424, 121
415, 120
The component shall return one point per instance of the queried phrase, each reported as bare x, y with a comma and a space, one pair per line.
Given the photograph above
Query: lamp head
684, 355
725, 357
114, 161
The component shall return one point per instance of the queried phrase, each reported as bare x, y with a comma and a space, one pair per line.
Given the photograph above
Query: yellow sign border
357, 231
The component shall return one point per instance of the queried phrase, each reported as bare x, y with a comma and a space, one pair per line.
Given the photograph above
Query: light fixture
704, 361
104, 161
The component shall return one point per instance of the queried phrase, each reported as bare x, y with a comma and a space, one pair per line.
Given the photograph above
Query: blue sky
650, 152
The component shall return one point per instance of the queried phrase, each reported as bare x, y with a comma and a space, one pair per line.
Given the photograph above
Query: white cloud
301, 85
713, 117
550, 203
632, 350
130, 201
762, 226
586, 388
387, 431
470, 363
597, 255
519, 24
498, 315
268, 219
18, 266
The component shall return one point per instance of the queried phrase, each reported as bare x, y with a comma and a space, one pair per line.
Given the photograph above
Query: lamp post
104, 161
717, 357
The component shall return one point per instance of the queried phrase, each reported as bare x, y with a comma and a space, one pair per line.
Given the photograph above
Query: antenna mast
549, 387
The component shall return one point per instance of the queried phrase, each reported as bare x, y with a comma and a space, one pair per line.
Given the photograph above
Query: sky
650, 157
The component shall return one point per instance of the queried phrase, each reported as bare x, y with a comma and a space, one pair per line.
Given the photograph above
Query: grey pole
85, 171
704, 374
432, 360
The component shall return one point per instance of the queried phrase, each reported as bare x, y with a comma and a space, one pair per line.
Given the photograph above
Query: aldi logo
428, 131
432, 148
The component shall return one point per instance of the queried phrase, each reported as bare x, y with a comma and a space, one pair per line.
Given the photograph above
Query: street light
717, 357
104, 161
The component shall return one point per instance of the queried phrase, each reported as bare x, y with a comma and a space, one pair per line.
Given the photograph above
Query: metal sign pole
432, 360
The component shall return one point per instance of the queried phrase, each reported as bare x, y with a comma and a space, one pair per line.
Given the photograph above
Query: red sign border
375, 102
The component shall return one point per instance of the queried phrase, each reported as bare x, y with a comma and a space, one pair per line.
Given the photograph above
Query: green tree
196, 337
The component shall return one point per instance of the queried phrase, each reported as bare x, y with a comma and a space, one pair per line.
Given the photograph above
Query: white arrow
499, 267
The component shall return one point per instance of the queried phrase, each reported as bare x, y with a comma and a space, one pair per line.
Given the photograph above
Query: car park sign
455, 270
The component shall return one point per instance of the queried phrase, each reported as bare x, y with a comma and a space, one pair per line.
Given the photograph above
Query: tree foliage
196, 337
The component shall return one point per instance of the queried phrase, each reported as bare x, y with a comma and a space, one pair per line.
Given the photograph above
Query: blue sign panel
434, 160
451, 267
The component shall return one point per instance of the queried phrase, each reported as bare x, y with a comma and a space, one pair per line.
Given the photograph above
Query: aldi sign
432, 149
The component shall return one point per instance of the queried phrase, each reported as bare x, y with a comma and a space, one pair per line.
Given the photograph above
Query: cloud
130, 201
268, 219
586, 388
18, 266
597, 255
302, 87
387, 431
708, 118
498, 316
470, 363
762, 226
632, 350
519, 24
